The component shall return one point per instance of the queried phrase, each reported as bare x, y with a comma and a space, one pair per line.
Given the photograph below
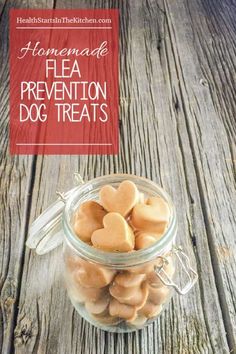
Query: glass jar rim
122, 259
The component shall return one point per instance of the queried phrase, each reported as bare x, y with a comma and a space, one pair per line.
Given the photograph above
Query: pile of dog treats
122, 221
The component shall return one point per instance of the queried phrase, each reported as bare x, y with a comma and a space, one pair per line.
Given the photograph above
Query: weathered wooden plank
15, 189
211, 134
2, 4
156, 142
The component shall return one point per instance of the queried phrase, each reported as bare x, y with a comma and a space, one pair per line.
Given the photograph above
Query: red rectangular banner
64, 81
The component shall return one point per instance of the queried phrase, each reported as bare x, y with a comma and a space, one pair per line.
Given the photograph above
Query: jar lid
46, 233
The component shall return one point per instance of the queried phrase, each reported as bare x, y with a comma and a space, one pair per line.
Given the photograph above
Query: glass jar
117, 292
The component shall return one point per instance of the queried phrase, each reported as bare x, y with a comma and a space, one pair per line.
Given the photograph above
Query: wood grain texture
15, 195
14, 187
212, 147
2, 4
177, 66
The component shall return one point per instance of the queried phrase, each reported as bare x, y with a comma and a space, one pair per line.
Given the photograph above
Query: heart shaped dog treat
88, 219
72, 262
135, 296
115, 236
153, 216
138, 321
106, 319
150, 310
144, 240
144, 268
93, 275
97, 307
128, 279
158, 296
121, 310
81, 294
121, 200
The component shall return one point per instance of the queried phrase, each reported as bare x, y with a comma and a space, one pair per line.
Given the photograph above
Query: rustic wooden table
177, 127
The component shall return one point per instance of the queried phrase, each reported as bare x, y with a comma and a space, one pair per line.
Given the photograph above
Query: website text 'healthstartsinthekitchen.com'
62, 20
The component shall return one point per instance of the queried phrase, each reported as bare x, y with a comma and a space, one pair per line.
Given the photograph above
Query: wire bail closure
78, 180
185, 263
61, 196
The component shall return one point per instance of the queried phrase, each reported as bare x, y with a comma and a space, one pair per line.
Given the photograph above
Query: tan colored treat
92, 275
97, 307
153, 216
158, 296
72, 262
121, 200
94, 294
143, 269
106, 319
88, 219
75, 294
138, 321
128, 279
126, 295
150, 310
134, 296
81, 294
144, 240
115, 236
124, 311
145, 295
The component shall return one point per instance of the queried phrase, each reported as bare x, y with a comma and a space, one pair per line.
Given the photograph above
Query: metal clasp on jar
62, 196
184, 261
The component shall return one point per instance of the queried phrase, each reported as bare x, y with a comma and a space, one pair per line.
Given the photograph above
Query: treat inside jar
123, 220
